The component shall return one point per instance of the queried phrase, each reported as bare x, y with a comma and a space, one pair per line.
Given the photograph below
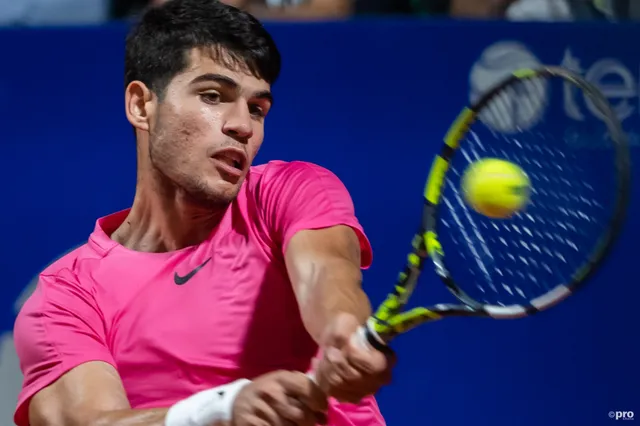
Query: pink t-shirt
235, 317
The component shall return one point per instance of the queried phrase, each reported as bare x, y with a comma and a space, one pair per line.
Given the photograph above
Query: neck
164, 218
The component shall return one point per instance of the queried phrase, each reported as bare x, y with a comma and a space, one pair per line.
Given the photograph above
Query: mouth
232, 161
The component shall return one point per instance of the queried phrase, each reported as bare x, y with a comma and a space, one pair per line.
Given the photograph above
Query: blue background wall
349, 93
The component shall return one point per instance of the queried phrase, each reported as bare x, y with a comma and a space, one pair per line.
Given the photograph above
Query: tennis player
208, 300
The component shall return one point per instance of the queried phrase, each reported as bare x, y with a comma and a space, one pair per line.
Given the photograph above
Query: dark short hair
158, 46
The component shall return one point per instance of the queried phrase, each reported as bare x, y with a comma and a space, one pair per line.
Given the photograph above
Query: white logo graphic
10, 374
621, 415
616, 81
525, 102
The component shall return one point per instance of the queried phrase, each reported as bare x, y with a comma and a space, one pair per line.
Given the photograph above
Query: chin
212, 189
222, 192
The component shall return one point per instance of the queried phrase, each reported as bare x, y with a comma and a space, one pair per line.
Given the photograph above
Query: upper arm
309, 250
61, 343
311, 217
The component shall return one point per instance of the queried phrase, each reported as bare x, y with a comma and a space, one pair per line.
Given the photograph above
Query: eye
212, 98
257, 110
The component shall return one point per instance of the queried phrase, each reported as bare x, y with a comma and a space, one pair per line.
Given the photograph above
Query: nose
238, 124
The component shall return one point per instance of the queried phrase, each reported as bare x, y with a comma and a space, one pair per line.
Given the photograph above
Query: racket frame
390, 320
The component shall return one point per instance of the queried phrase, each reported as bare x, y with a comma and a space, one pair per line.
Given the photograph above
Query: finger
338, 337
369, 362
292, 410
368, 385
299, 386
315, 399
338, 362
286, 407
328, 373
310, 417
251, 420
264, 411
328, 377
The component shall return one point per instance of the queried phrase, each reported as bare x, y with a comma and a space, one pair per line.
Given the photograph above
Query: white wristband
206, 407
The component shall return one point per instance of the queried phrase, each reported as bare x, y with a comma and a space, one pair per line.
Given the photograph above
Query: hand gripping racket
577, 160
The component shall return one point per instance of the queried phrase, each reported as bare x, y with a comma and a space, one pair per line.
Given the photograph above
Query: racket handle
369, 338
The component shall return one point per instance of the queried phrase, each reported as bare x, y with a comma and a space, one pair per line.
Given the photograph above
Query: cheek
256, 141
189, 132
253, 147
211, 118
177, 139
189, 128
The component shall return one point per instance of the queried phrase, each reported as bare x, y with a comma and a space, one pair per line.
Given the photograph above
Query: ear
140, 105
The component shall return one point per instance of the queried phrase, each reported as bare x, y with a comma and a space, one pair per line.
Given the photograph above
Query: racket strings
516, 260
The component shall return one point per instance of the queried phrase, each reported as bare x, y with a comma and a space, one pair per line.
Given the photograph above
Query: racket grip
368, 338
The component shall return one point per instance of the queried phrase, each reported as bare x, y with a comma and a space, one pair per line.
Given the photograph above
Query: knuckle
286, 373
335, 380
341, 365
290, 409
281, 375
295, 382
354, 374
285, 377
296, 414
268, 391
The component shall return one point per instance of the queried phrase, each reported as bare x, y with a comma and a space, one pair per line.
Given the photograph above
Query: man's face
208, 128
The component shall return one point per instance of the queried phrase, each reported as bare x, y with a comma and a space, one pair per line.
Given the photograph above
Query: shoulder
58, 327
291, 176
57, 280
67, 261
60, 303
67, 267
278, 167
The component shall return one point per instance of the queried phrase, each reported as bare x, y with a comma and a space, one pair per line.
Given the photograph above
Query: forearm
151, 417
211, 407
330, 288
84, 417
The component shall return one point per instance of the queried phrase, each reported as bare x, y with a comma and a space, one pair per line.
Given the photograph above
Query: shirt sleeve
58, 328
300, 196
366, 413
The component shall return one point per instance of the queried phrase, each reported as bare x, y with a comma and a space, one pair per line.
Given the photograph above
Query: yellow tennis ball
496, 188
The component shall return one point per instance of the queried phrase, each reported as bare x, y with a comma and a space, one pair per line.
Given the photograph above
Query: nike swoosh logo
182, 280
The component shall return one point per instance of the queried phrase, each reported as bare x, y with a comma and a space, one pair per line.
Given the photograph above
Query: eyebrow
231, 83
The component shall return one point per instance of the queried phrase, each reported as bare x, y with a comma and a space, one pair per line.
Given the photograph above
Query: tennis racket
580, 175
